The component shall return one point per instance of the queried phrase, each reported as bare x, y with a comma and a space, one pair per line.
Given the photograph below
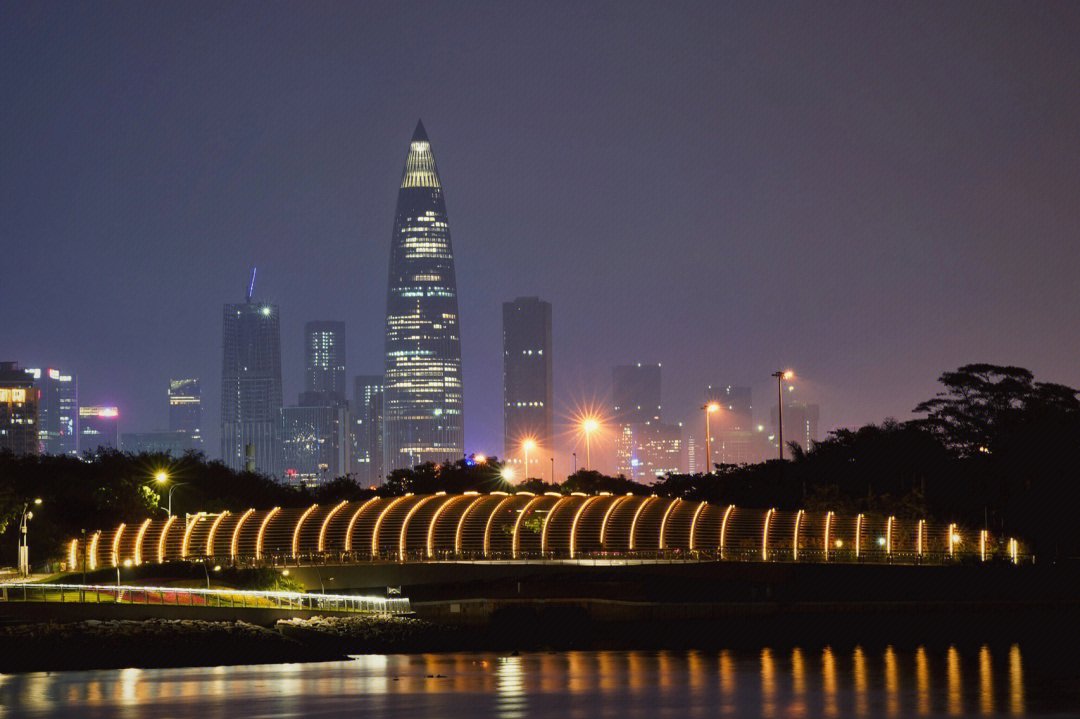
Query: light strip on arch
633, 522
139, 540
405, 524
663, 522
517, 525
922, 525
94, 549
326, 522
490, 519
262, 531
352, 522
723, 528
461, 524
213, 533
187, 534
795, 546
828, 526
607, 515
116, 545
693, 522
435, 518
547, 521
573, 526
379, 521
765, 534
299, 525
234, 543
73, 553
888, 536
858, 535
161, 540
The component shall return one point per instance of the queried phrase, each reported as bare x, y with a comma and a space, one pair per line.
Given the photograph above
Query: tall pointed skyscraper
422, 391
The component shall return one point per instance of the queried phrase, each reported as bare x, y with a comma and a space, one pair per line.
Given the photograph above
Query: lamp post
780, 377
217, 568
24, 546
709, 409
575, 462
589, 426
527, 445
162, 478
553, 470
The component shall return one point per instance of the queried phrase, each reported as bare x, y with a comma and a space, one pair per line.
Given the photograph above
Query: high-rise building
800, 425
251, 386
97, 428
635, 393
18, 410
324, 351
171, 443
527, 391
315, 444
422, 402
649, 450
367, 418
58, 411
185, 408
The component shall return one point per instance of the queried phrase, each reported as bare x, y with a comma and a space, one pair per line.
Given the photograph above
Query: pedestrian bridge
524, 526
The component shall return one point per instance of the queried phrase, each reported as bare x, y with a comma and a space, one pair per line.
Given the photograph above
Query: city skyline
864, 229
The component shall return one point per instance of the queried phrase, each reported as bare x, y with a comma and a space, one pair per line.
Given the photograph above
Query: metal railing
184, 597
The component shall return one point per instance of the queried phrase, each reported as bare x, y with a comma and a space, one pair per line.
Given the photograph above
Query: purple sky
870, 194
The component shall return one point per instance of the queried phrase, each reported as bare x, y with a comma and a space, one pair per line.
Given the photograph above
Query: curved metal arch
607, 516
517, 524
138, 542
920, 533
858, 535
663, 521
405, 523
461, 521
161, 540
352, 523
94, 539
116, 544
547, 521
693, 522
326, 523
490, 519
262, 531
299, 525
795, 544
765, 534
577, 518
189, 527
888, 535
634, 521
73, 553
234, 542
379, 521
723, 528
435, 518
213, 532
828, 526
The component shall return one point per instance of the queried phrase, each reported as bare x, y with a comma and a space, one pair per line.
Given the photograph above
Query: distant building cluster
412, 411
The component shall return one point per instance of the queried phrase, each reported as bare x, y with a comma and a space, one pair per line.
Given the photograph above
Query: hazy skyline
870, 194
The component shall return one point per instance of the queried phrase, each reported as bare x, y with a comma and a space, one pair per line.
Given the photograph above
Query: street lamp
527, 445
709, 409
161, 478
24, 547
780, 377
507, 473
588, 426
217, 568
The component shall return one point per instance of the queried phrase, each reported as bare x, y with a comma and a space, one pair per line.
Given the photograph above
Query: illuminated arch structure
500, 526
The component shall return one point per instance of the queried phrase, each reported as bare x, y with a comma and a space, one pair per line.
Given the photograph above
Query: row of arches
525, 525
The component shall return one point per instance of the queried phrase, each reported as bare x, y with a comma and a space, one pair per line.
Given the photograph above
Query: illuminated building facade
315, 446
635, 392
367, 423
800, 424
185, 408
97, 428
251, 387
527, 386
171, 443
58, 411
18, 410
422, 400
324, 352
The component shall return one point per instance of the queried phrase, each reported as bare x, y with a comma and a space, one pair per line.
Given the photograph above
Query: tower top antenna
251, 287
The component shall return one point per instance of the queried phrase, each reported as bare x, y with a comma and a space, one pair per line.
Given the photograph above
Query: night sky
870, 194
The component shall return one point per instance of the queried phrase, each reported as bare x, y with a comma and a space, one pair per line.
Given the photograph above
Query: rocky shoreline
151, 643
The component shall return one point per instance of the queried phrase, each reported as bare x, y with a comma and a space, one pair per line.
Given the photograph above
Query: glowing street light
709, 409
527, 445
507, 473
588, 426
24, 546
780, 376
480, 458
162, 477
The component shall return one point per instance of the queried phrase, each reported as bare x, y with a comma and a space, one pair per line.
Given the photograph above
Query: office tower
422, 404
649, 450
800, 425
251, 386
735, 408
635, 392
171, 443
18, 410
185, 409
527, 392
367, 418
97, 428
315, 446
58, 411
735, 439
324, 351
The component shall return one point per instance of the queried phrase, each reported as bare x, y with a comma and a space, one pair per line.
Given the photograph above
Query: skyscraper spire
422, 405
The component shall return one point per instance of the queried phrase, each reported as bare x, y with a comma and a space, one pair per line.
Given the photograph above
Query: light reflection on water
770, 683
